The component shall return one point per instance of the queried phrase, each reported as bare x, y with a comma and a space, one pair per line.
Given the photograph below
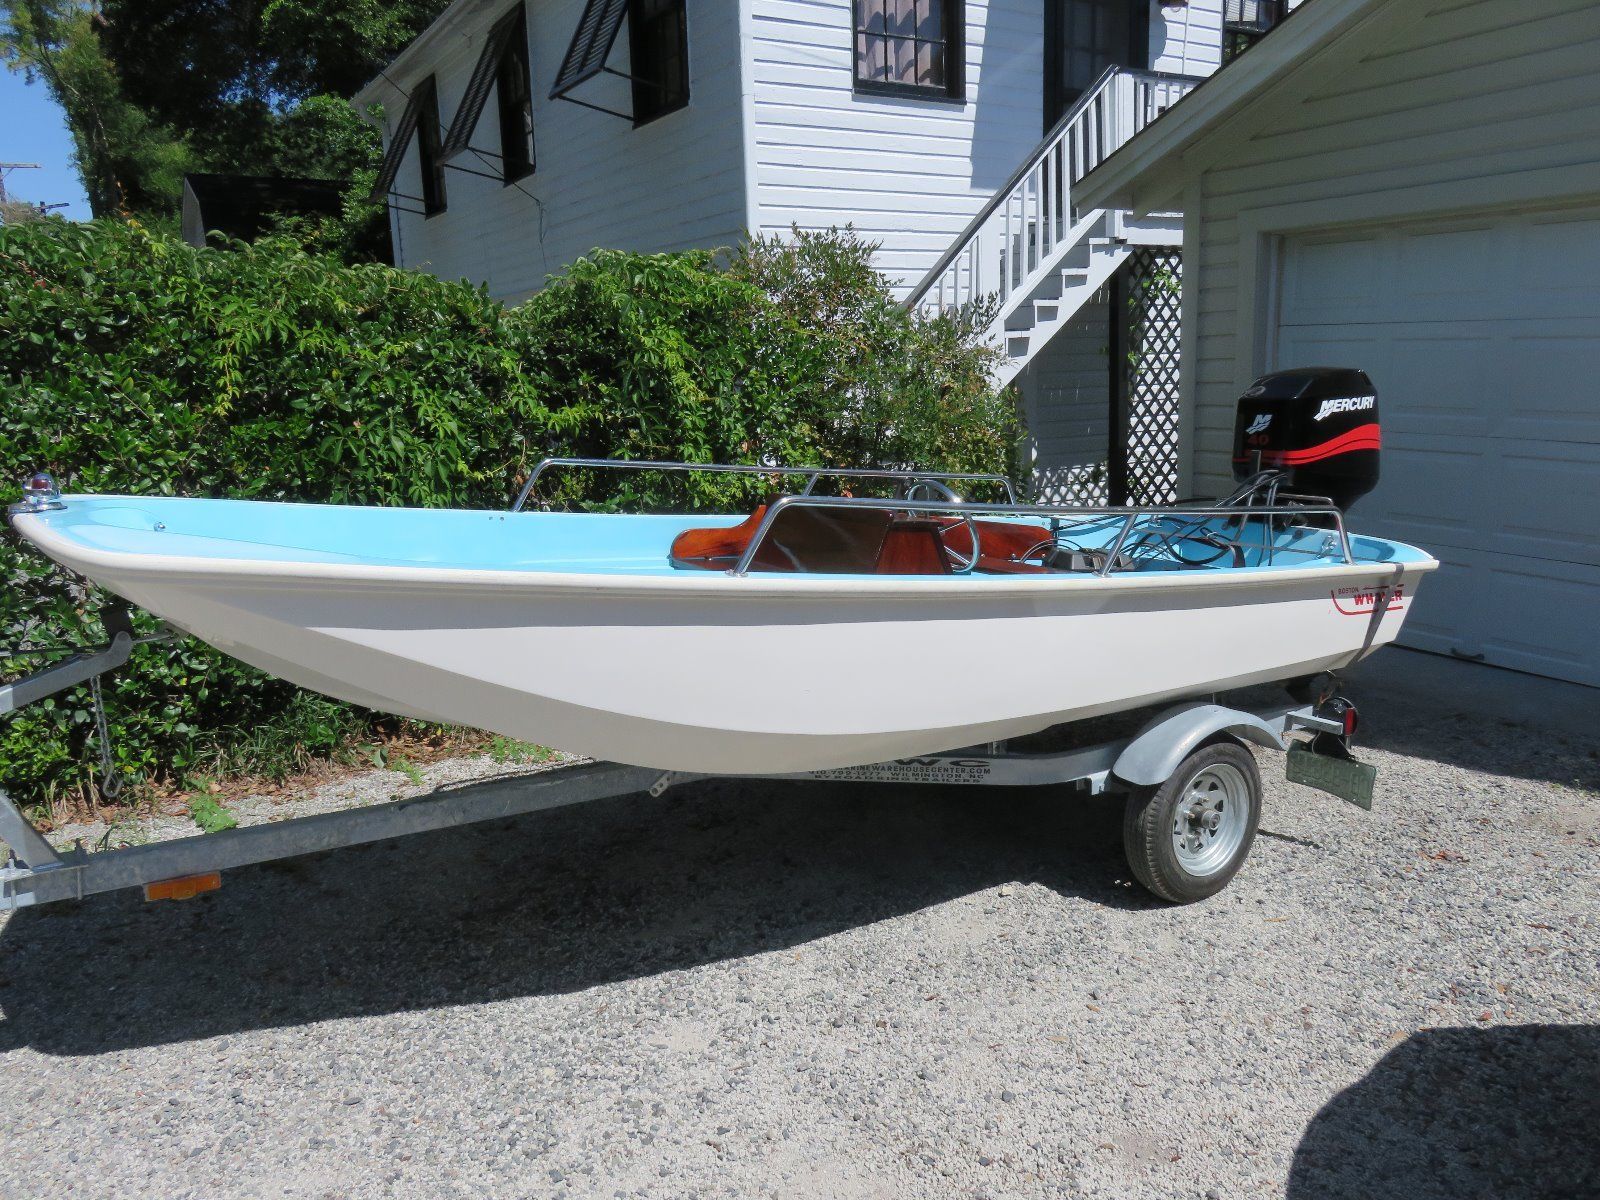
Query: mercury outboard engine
1318, 425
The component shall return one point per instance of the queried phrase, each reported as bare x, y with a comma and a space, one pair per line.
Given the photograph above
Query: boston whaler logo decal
1259, 425
1360, 601
1346, 404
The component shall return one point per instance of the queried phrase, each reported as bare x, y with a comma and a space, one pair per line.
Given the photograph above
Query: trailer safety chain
110, 782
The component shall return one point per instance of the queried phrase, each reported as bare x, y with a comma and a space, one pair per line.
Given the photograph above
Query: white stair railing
1017, 238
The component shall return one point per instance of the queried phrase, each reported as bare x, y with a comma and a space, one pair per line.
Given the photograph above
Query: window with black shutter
503, 68
910, 47
658, 37
433, 195
394, 155
514, 87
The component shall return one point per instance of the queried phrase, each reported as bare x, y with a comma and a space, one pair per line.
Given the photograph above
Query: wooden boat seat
860, 541
1002, 545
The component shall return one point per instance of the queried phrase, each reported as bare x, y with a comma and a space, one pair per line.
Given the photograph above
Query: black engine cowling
1320, 424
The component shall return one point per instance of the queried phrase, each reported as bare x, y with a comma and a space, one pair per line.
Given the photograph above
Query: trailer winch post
28, 845
31, 855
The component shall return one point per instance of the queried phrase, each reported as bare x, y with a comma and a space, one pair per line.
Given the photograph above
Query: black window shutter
403, 133
591, 44
483, 77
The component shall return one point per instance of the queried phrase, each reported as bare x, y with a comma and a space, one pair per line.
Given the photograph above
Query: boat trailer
1193, 793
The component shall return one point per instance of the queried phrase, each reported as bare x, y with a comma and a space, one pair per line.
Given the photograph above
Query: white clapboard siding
1186, 40
908, 173
1437, 109
675, 183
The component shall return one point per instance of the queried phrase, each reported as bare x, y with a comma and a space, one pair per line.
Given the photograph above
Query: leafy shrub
132, 362
854, 379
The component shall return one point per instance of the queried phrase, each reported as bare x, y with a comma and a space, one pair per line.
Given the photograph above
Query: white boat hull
708, 672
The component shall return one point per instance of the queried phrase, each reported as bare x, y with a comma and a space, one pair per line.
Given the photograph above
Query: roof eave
1148, 171
376, 90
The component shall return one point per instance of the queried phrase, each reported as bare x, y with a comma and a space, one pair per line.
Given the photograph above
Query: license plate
1341, 777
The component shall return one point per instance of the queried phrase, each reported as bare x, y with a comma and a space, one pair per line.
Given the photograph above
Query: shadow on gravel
548, 903
1434, 728
1460, 1114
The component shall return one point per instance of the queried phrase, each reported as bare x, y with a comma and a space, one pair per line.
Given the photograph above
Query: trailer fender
1157, 750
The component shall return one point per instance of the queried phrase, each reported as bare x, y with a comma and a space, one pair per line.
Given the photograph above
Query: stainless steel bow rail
1127, 518
1168, 746
812, 475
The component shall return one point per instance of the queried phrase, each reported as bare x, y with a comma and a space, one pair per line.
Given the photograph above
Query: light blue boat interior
583, 543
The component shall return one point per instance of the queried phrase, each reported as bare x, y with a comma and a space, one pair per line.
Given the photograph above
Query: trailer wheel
1187, 837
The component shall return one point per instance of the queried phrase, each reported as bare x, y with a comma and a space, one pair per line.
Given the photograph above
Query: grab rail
1130, 517
813, 474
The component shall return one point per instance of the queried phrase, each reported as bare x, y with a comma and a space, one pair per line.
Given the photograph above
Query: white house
521, 134
1413, 187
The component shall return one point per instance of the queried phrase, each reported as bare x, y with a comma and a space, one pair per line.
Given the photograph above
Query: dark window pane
909, 44
1085, 37
514, 85
1246, 22
433, 194
658, 33
869, 56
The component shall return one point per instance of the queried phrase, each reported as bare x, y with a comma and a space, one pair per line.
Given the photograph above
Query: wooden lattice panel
1154, 335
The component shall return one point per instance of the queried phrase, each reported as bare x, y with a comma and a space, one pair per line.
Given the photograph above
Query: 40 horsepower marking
1359, 602
913, 770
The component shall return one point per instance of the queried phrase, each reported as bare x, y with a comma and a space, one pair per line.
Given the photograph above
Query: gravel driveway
835, 991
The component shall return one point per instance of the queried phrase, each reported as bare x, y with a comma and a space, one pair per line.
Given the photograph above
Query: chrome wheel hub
1209, 824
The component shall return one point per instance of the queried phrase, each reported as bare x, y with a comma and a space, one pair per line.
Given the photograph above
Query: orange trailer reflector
185, 887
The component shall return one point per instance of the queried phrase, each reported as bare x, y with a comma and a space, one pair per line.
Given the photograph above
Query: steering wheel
960, 564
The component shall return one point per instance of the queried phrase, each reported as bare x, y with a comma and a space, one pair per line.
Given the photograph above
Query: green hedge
131, 362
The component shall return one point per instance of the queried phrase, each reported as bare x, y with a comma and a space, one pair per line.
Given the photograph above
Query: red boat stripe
1362, 437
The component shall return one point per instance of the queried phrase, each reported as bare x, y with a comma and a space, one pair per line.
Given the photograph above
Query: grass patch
504, 750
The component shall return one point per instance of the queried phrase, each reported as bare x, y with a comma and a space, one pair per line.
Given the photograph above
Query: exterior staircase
1030, 246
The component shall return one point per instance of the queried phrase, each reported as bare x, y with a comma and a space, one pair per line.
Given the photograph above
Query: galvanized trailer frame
37, 873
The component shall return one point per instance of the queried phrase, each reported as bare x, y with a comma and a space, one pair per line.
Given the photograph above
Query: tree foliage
233, 75
151, 91
132, 362
127, 160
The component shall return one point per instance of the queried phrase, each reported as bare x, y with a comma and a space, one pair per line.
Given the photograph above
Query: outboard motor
1317, 424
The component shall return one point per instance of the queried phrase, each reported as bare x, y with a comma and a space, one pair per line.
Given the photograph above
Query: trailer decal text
1359, 602
913, 770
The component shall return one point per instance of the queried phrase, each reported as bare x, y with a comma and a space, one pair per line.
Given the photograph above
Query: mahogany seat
861, 541
1002, 545
715, 549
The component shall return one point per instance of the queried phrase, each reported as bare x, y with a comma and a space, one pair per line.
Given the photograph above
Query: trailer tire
1187, 837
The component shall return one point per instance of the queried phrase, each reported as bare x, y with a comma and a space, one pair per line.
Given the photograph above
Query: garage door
1484, 341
